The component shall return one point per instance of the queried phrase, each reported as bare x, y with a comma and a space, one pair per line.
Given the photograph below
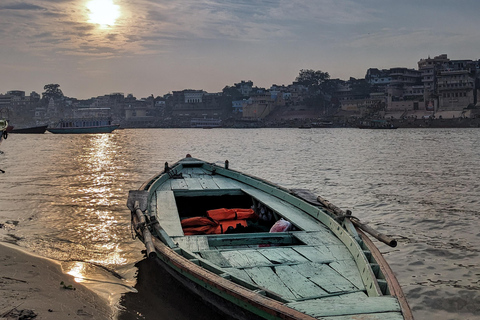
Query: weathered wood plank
197, 171
314, 238
193, 243
225, 183
299, 285
348, 269
207, 182
286, 210
358, 303
193, 184
239, 273
167, 213
319, 254
178, 184
325, 277
265, 277
216, 258
282, 255
246, 258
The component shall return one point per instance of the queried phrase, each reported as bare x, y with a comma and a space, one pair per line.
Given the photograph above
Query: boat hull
79, 130
37, 129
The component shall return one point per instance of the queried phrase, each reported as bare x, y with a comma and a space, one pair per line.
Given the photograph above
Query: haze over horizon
144, 47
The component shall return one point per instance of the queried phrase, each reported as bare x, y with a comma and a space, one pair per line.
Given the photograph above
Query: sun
103, 12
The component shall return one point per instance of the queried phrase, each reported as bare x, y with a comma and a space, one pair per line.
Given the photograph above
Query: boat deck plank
225, 183
319, 253
358, 303
265, 277
215, 257
245, 258
207, 182
192, 243
348, 269
325, 277
282, 255
193, 183
167, 213
300, 286
178, 184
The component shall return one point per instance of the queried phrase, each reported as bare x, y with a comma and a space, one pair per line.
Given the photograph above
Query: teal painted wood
320, 237
215, 257
193, 183
226, 241
348, 304
282, 255
166, 186
300, 286
265, 277
348, 269
319, 254
241, 274
225, 183
167, 213
286, 210
246, 258
193, 243
178, 184
207, 182
369, 316
325, 277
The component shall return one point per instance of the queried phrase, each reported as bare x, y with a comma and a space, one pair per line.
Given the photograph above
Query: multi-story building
456, 85
262, 104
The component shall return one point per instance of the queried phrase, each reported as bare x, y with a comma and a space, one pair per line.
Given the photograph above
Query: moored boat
34, 129
376, 124
83, 126
3, 129
256, 250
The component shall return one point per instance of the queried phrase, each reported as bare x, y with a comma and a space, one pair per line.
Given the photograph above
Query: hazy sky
158, 46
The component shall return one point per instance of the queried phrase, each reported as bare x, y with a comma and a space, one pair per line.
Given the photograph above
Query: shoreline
36, 288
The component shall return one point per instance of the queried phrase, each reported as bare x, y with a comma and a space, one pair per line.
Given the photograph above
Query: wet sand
30, 288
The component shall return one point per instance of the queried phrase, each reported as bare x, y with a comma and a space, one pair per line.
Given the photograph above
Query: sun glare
103, 12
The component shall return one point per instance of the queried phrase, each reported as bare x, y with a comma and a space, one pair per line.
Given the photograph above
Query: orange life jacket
232, 214
203, 225
199, 225
225, 224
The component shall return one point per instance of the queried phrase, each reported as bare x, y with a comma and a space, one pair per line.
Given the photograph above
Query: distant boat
376, 124
84, 126
36, 129
205, 123
3, 129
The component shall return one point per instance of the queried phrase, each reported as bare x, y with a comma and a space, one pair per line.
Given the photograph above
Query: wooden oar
348, 215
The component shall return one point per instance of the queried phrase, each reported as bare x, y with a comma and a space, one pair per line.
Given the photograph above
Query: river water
64, 197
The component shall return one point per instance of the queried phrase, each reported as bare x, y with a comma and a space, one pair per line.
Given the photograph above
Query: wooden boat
324, 267
376, 124
35, 129
84, 126
3, 129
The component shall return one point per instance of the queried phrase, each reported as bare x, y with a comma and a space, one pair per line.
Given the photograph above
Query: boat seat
167, 213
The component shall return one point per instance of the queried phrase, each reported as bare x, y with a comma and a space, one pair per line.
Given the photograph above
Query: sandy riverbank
31, 287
